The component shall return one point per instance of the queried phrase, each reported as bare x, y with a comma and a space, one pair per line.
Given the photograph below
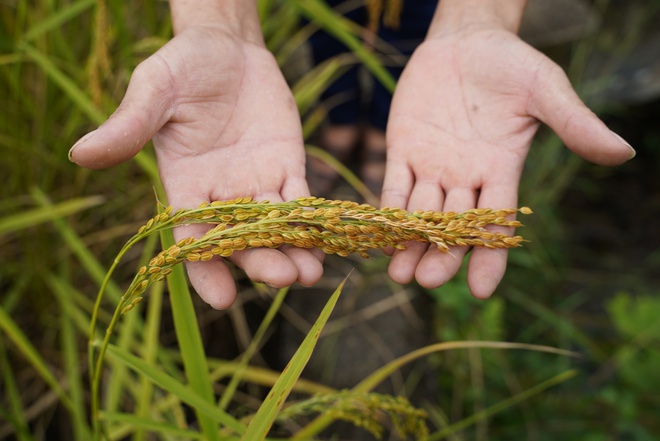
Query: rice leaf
190, 341
381, 374
72, 357
175, 387
148, 424
237, 376
263, 419
37, 216
58, 19
502, 405
15, 414
339, 27
22, 343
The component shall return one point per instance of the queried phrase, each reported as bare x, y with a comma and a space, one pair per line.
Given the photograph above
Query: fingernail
80, 141
624, 142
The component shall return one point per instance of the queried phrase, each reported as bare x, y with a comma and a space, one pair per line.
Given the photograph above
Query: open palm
463, 117
224, 125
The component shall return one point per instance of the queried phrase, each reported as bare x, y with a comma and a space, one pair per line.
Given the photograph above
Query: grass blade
72, 357
150, 352
15, 413
14, 333
36, 216
147, 424
498, 407
381, 374
190, 340
175, 387
56, 20
237, 376
263, 419
339, 27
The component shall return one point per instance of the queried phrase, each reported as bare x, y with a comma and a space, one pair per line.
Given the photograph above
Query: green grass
163, 376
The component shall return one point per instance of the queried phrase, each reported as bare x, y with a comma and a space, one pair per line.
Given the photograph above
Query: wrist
238, 16
456, 15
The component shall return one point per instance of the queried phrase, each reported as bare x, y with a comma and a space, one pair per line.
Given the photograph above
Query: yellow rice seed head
242, 216
305, 235
298, 243
512, 241
173, 251
165, 271
274, 214
141, 229
168, 210
264, 202
163, 217
127, 308
277, 240
267, 243
526, 210
334, 220
255, 243
149, 224
227, 252
328, 249
247, 200
182, 242
203, 205
427, 215
142, 271
193, 257
363, 254
206, 256
303, 202
295, 212
239, 243
217, 250
342, 253
154, 270
226, 218
170, 260
226, 243
400, 214
308, 215
318, 201
350, 230
136, 300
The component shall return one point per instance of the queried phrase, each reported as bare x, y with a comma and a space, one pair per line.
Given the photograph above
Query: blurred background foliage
587, 280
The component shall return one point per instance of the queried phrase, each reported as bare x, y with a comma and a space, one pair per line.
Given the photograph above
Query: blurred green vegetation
586, 281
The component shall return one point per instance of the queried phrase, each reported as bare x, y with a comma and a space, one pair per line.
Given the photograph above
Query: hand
462, 120
224, 125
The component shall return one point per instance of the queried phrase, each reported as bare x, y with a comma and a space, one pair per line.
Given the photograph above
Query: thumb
555, 102
146, 107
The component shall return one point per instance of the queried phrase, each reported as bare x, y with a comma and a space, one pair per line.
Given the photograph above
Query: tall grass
63, 68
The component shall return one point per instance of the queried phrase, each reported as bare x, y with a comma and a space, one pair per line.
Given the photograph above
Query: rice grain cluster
334, 226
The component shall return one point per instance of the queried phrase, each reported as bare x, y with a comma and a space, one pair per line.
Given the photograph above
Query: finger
398, 184
555, 102
426, 195
146, 107
212, 280
486, 267
437, 267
